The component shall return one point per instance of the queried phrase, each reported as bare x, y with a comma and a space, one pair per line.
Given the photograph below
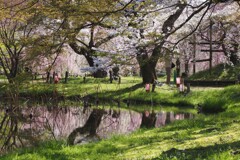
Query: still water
78, 124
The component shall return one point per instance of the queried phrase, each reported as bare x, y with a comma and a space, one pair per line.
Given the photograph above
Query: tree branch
189, 18
104, 40
198, 24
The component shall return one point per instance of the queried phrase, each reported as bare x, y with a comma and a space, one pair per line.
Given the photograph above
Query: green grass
204, 137
98, 88
130, 89
219, 72
211, 136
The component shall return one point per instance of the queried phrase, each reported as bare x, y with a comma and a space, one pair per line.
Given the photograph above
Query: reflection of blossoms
38, 123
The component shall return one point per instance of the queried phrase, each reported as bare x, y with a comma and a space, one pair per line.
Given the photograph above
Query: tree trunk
168, 63
88, 54
168, 72
147, 69
147, 74
89, 59
233, 57
82, 51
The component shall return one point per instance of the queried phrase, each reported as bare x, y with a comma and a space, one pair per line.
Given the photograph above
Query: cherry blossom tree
151, 38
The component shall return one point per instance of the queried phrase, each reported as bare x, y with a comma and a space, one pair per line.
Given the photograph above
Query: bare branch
198, 24
189, 18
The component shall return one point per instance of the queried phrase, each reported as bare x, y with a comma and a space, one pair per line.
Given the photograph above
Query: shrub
214, 105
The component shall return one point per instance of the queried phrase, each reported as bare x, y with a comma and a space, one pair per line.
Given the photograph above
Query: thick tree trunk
148, 64
82, 51
234, 58
147, 69
147, 73
89, 59
88, 54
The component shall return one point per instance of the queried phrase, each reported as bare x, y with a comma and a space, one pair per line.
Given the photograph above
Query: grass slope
219, 72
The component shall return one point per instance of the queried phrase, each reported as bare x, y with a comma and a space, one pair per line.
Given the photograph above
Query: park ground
214, 134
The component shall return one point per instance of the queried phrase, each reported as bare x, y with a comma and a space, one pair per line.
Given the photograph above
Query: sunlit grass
130, 90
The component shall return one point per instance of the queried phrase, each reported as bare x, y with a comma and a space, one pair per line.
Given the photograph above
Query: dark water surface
77, 124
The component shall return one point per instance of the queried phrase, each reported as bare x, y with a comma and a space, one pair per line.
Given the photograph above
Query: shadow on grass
121, 91
216, 151
139, 99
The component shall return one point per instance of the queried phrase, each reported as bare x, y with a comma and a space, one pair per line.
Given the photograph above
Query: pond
30, 125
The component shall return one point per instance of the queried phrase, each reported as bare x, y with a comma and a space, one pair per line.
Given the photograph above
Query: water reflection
78, 125
159, 119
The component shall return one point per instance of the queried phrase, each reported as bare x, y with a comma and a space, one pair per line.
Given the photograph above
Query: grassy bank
214, 136
130, 90
219, 72
210, 136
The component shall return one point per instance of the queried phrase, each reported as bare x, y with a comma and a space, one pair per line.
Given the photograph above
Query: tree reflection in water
27, 126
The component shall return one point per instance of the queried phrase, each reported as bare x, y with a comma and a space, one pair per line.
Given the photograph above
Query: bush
214, 105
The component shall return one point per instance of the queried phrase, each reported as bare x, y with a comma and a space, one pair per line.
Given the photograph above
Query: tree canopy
146, 30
